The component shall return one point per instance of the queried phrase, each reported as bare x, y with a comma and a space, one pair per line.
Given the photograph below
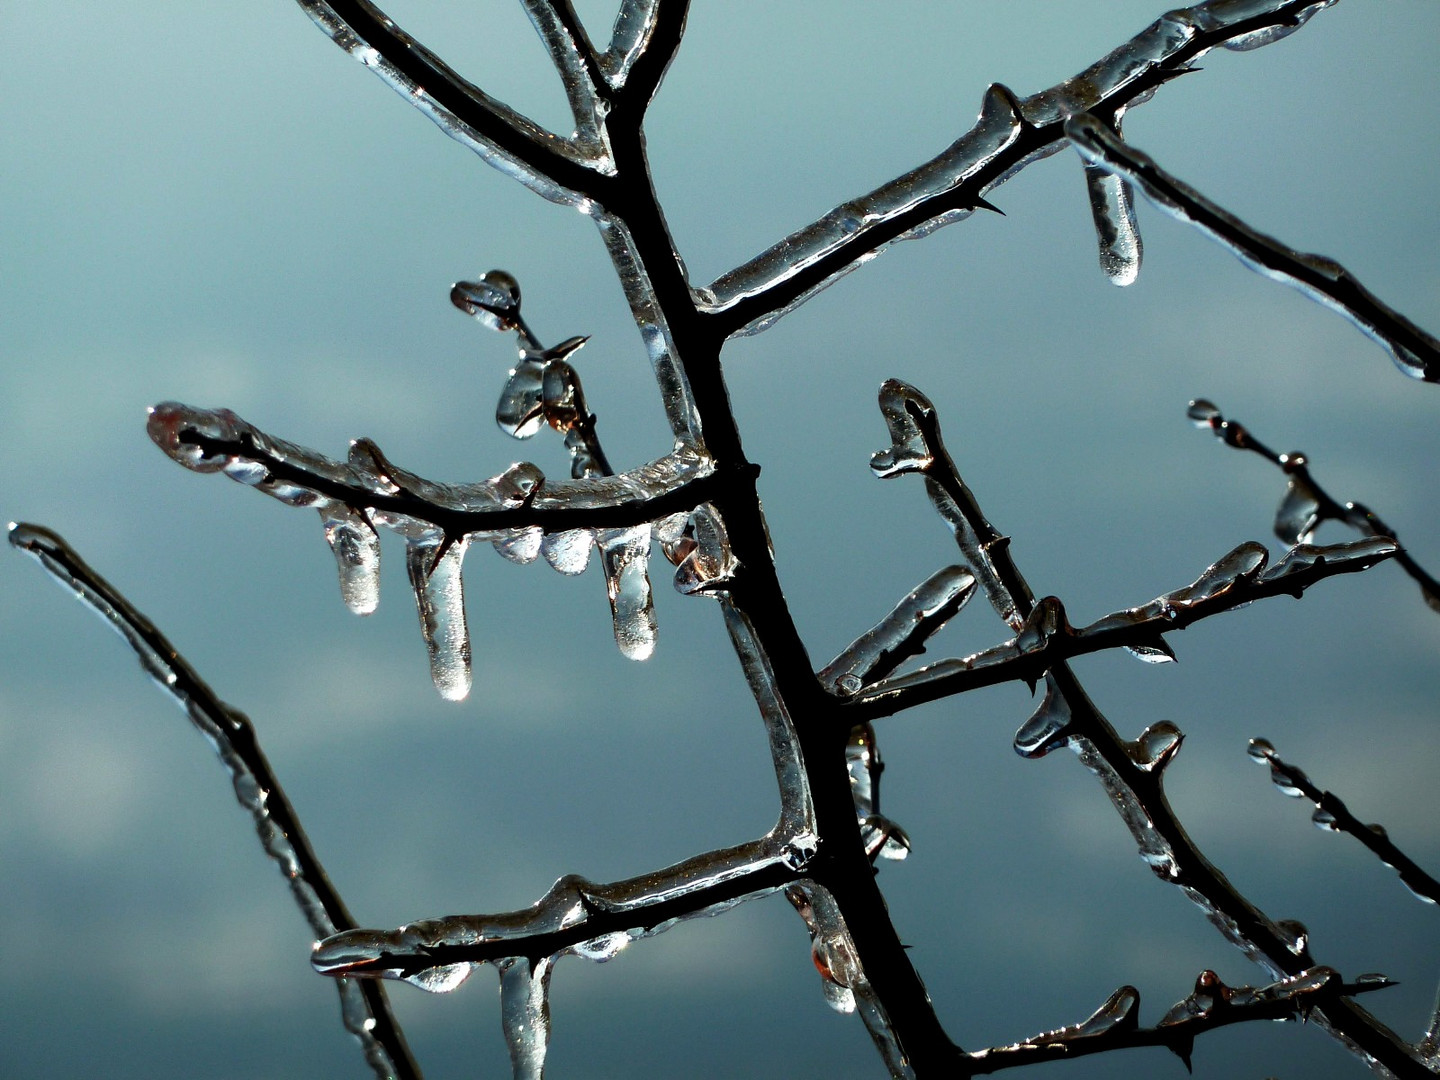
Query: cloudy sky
212, 203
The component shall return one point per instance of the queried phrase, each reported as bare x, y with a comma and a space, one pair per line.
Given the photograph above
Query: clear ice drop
625, 557
434, 563
525, 1013
357, 556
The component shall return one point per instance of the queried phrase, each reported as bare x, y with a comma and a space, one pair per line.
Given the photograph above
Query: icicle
357, 556
625, 557
434, 563
1048, 727
1112, 205
525, 1013
831, 949
568, 551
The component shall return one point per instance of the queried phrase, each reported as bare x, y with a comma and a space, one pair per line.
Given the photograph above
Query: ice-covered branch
1416, 352
1212, 1005
1047, 638
1009, 134
1131, 771
364, 1009
575, 59
1305, 503
559, 169
575, 916
647, 35
1333, 815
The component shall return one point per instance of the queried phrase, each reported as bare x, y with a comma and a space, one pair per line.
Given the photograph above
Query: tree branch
1415, 352
1333, 815
1009, 134
365, 1010
1047, 639
1306, 504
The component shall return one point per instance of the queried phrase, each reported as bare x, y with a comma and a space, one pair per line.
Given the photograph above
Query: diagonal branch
575, 59
1415, 352
556, 168
1008, 135
364, 1009
1132, 773
1333, 815
647, 34
1047, 639
1306, 504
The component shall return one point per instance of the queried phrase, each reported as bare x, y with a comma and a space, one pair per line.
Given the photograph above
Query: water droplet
520, 412
1324, 819
1119, 1011
494, 300
1045, 621
434, 563
521, 546
568, 551
1260, 751
710, 564
1156, 746
441, 980
1296, 935
1285, 782
1159, 653
357, 557
1299, 511
1203, 413
605, 947
1373, 979
1048, 727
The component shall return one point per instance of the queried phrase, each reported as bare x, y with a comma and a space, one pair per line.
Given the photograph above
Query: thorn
984, 204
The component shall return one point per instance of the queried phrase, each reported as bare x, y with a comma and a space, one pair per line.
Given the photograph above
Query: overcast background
213, 203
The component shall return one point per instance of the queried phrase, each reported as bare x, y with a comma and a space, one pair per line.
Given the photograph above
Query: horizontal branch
1333, 815
216, 440
575, 916
1047, 639
1306, 504
556, 168
1008, 135
1415, 352
366, 1013
1115, 1026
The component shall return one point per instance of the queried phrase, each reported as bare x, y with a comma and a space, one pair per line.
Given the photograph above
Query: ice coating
625, 559
357, 556
708, 563
1049, 725
1353, 554
1299, 512
568, 551
364, 1011
525, 1012
902, 633
434, 563
1415, 352
882, 837
1156, 747
522, 546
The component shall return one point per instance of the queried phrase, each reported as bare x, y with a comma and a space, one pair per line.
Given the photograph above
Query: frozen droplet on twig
521, 412
1352, 555
1048, 727
1260, 751
568, 551
521, 546
625, 558
1299, 512
709, 565
1120, 1011
1235, 568
1274, 32
525, 1013
1296, 935
1324, 819
884, 839
494, 300
442, 979
831, 949
1156, 747
434, 563
1203, 413
357, 556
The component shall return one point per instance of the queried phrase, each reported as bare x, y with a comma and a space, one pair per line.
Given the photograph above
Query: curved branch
364, 1009
556, 168
1415, 351
1009, 134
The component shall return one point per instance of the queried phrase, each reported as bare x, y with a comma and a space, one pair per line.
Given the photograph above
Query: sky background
212, 203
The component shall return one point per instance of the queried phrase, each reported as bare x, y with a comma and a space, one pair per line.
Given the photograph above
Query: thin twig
1333, 815
365, 1009
1415, 351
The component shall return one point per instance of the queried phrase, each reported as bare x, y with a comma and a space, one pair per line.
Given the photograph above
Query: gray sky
218, 206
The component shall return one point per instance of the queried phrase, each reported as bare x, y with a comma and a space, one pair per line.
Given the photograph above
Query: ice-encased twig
1212, 1005
575, 59
1305, 503
558, 169
1415, 351
1112, 207
1333, 815
1237, 579
365, 1010
1009, 134
575, 916
1131, 772
901, 634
